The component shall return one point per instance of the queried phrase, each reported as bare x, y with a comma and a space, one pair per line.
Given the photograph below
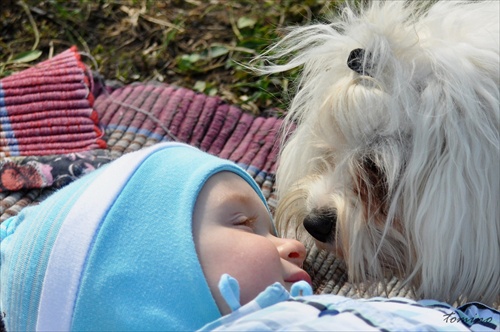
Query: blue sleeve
331, 312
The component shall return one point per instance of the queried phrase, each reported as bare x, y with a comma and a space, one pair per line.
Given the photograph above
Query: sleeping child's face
233, 234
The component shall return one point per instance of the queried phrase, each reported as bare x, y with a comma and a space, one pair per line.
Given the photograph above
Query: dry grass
192, 43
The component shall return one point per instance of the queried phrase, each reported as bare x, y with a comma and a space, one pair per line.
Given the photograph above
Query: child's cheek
260, 267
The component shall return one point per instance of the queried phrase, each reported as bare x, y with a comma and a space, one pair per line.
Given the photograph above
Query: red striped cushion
48, 109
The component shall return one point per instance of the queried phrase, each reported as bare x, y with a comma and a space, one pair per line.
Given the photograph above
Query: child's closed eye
246, 222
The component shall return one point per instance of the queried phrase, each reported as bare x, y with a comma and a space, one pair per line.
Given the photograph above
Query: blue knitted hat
113, 250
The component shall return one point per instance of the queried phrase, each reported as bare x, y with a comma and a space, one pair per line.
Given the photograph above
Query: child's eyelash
248, 221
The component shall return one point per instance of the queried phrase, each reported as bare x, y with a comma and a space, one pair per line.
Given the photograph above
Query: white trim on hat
73, 243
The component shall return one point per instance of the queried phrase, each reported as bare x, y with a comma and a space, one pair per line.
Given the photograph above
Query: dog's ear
360, 61
372, 189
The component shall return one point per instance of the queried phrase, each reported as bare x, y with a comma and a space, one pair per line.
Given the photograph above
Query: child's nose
292, 251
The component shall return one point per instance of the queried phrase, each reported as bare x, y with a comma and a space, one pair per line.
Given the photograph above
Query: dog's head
394, 160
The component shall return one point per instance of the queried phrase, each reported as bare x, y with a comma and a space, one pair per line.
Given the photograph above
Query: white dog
394, 164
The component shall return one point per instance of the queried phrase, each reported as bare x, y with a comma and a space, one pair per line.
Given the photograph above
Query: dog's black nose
320, 223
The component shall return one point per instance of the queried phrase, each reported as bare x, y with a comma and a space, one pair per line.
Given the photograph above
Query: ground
198, 44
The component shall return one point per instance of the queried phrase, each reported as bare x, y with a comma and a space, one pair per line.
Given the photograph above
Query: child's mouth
298, 276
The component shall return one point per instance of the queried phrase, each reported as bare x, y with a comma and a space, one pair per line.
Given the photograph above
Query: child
170, 238
115, 250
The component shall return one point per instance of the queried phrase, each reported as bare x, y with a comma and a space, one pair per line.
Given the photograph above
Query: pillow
48, 109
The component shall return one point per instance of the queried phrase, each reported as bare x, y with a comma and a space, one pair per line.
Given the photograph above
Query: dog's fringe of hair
427, 117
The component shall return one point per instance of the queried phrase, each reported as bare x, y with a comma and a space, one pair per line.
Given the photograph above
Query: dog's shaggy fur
394, 163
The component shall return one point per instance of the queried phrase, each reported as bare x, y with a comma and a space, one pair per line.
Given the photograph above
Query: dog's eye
359, 61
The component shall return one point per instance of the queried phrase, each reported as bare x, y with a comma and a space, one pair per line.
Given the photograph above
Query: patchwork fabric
37, 172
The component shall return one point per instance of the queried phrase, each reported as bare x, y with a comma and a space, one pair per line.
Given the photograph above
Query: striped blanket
47, 109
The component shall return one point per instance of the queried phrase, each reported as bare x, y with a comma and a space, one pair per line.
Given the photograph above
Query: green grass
198, 44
